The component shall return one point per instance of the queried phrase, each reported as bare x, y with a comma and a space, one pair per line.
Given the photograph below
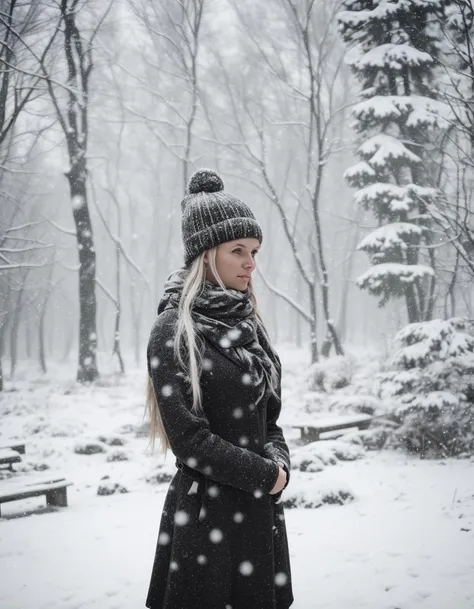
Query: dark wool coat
222, 542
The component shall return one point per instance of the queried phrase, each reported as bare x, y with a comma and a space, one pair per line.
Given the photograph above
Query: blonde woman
214, 399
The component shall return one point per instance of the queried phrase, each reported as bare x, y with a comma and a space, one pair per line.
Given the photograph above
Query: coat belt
200, 478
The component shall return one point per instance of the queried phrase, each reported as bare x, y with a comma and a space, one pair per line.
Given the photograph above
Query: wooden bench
55, 491
311, 430
9, 457
18, 446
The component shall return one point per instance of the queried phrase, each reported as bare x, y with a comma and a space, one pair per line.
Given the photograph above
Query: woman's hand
281, 481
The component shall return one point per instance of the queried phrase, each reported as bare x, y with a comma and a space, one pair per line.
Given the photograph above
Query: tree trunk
28, 333
314, 325
44, 308
299, 340
331, 332
68, 344
87, 370
14, 331
4, 321
41, 346
118, 311
412, 305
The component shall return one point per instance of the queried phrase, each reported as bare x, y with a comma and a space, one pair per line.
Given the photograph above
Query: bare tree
299, 99
174, 30
70, 99
453, 154
20, 84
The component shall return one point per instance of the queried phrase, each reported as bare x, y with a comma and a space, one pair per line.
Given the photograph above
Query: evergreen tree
394, 45
431, 386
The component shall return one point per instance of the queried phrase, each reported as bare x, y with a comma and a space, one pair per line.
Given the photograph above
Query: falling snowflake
169, 343
167, 390
252, 406
154, 362
243, 440
206, 363
246, 567
281, 578
246, 379
213, 491
164, 539
238, 517
234, 333
174, 565
181, 518
216, 536
224, 342
77, 202
207, 470
238, 412
257, 494
202, 560
191, 462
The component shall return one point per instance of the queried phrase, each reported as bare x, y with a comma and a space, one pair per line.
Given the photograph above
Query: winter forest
347, 126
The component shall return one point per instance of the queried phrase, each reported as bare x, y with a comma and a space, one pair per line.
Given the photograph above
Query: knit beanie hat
211, 216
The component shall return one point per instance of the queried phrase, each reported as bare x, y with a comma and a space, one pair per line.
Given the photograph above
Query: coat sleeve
190, 437
276, 447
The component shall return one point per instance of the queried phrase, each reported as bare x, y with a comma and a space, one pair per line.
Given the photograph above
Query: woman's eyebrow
245, 247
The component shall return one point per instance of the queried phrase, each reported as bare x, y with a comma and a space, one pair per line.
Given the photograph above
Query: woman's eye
238, 251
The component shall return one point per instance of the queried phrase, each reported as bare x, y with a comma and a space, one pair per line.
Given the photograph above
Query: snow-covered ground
406, 541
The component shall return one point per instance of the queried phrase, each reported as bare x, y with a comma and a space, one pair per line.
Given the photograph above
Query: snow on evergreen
392, 50
432, 381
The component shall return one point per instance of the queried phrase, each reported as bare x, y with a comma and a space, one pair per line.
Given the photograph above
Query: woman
214, 398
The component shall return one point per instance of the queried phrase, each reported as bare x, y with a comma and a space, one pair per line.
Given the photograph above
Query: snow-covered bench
18, 446
312, 430
9, 457
55, 491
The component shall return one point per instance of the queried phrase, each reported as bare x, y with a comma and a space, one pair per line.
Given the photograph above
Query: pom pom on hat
205, 180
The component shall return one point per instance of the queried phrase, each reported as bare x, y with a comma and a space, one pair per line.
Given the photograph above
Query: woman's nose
250, 263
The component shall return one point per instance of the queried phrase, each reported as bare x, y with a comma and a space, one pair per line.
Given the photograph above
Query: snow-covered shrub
432, 382
162, 473
333, 373
315, 456
306, 491
107, 487
88, 448
117, 455
160, 477
111, 440
370, 439
364, 404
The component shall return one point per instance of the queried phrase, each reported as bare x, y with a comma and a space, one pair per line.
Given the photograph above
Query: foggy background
174, 87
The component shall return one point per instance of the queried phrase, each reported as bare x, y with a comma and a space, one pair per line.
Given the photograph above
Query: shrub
432, 382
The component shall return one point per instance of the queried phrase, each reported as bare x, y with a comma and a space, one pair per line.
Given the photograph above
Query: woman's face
235, 262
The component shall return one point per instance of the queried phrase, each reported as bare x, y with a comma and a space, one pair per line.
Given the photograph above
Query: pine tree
394, 46
431, 387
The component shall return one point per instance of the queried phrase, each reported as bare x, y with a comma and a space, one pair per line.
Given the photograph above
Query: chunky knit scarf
227, 319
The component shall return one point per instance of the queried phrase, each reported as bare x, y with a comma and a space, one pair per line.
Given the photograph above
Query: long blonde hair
193, 284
